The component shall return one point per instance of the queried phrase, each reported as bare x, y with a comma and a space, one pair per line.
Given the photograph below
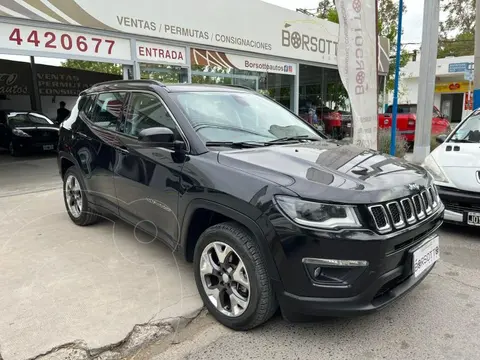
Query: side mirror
441, 138
157, 135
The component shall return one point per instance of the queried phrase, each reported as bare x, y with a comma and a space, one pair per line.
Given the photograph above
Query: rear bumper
33, 145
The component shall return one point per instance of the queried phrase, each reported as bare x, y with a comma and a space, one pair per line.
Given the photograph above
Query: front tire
232, 277
76, 202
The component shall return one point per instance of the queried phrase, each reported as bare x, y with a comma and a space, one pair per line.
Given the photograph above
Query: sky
412, 24
412, 19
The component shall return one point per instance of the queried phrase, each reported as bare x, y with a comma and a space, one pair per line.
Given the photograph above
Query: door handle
80, 134
123, 149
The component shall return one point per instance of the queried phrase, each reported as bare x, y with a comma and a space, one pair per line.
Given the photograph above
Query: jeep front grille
397, 214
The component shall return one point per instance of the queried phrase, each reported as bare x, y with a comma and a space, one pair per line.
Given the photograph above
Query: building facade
289, 56
453, 86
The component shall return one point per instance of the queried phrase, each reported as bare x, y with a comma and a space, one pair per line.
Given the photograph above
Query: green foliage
460, 20
461, 45
460, 16
384, 141
106, 68
387, 27
404, 59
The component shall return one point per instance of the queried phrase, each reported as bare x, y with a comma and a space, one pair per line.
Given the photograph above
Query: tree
461, 45
102, 67
387, 27
460, 20
460, 16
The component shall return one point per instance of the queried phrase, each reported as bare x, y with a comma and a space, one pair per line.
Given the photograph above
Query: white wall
49, 108
408, 91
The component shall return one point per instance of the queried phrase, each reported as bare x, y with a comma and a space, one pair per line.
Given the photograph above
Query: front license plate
426, 256
473, 219
47, 147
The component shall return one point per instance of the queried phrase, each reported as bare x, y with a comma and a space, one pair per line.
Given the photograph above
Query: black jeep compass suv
271, 213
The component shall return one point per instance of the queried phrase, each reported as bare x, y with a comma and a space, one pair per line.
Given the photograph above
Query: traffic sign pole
426, 84
476, 77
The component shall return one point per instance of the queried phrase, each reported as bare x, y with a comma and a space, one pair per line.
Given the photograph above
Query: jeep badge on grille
413, 187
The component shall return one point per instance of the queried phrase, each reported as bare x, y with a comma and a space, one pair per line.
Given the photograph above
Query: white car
455, 166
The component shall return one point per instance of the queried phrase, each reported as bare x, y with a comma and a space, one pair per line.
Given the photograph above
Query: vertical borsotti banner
357, 65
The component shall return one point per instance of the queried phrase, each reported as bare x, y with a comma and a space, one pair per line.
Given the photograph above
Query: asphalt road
437, 320
28, 174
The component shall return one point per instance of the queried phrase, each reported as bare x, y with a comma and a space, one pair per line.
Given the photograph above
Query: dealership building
290, 56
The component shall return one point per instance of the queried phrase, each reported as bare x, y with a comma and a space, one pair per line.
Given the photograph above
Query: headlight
312, 214
20, 133
432, 167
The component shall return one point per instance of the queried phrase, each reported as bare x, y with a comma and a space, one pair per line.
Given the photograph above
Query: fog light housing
334, 272
335, 262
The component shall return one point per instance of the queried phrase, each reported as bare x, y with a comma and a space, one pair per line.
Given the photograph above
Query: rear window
23, 119
403, 109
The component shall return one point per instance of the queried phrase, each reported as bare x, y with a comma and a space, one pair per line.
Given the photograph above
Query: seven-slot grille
398, 214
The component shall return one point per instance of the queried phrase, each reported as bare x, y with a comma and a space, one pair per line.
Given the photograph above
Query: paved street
73, 292
438, 320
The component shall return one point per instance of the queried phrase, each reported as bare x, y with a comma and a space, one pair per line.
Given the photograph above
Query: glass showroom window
214, 67
168, 74
323, 101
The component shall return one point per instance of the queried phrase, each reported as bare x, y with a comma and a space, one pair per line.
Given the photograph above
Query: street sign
458, 67
468, 75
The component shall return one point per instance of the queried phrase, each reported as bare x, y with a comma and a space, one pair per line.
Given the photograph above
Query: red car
406, 119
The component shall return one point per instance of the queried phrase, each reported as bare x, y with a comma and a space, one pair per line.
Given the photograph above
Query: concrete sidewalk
78, 293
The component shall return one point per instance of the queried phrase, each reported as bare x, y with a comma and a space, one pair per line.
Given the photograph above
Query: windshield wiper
293, 138
232, 144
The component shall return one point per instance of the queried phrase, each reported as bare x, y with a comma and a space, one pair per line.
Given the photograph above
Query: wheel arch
218, 213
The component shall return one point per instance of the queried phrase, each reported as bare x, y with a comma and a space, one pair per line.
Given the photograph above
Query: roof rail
153, 82
240, 87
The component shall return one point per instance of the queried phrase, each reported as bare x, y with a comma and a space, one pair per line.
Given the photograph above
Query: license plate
426, 256
473, 219
47, 147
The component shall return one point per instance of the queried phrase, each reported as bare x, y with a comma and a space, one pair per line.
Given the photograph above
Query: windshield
240, 117
31, 119
469, 130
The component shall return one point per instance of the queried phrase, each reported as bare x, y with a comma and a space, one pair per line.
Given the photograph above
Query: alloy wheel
225, 279
73, 193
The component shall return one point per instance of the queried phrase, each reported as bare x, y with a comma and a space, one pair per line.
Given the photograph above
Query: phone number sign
63, 43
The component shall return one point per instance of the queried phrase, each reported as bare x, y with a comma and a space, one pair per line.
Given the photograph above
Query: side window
107, 110
88, 105
147, 111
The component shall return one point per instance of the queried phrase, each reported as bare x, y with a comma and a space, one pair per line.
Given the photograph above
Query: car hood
460, 164
328, 171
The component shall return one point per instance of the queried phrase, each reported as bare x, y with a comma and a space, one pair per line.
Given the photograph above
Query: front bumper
458, 203
387, 277
362, 304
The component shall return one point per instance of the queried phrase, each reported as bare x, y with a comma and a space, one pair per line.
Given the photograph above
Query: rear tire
237, 290
13, 150
76, 202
